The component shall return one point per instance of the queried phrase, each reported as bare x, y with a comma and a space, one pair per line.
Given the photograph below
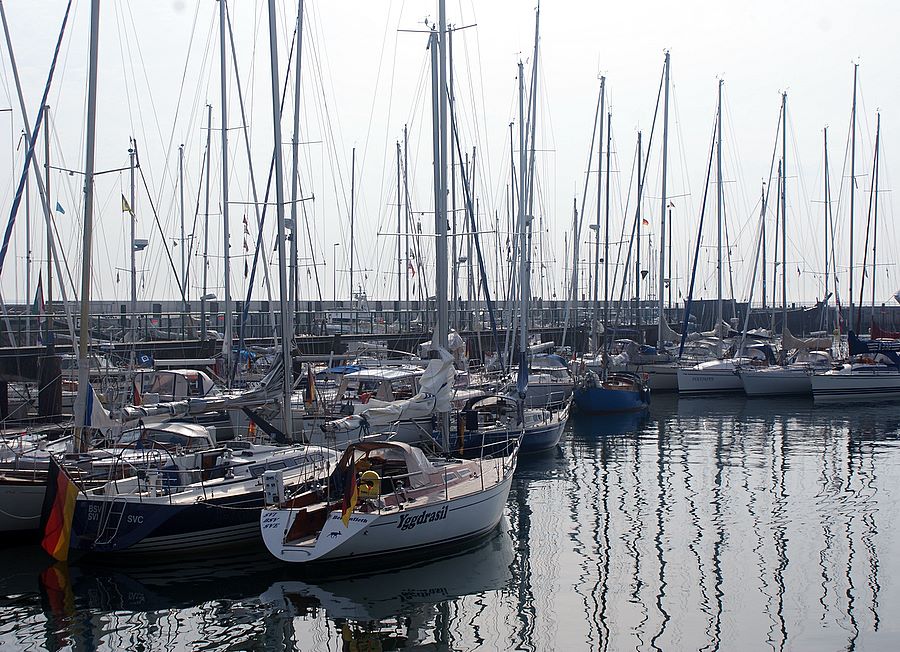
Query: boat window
162, 384
403, 389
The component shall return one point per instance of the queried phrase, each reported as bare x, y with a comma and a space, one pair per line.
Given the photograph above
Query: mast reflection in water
704, 525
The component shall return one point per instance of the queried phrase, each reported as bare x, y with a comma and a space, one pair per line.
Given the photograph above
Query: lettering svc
408, 522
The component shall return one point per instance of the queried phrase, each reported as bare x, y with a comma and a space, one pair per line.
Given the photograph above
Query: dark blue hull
601, 400
475, 443
135, 526
541, 439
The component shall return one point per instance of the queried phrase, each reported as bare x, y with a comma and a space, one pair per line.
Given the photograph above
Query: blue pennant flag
60, 209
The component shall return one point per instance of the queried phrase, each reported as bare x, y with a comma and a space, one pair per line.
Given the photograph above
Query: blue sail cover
522, 379
887, 348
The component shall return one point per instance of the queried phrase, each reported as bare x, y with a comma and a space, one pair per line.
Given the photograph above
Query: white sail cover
788, 341
435, 394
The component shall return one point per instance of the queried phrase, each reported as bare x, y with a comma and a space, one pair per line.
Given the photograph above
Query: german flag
56, 515
351, 493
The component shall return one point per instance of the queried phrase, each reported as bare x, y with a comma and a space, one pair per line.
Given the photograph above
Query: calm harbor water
721, 524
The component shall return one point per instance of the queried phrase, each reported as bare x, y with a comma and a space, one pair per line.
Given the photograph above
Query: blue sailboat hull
600, 400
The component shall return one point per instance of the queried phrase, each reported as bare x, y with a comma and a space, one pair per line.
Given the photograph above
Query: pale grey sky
363, 80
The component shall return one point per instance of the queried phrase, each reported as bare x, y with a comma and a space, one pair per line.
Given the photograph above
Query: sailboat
873, 371
600, 390
721, 374
386, 499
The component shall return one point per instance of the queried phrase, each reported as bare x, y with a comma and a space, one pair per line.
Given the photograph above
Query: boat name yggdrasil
409, 522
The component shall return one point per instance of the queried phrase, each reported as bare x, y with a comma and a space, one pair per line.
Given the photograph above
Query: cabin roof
386, 373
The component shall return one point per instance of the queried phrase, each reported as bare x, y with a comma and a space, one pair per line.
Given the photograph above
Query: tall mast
784, 173
669, 274
205, 225
827, 205
875, 211
399, 235
226, 233
132, 160
719, 316
286, 330
606, 221
82, 417
574, 230
852, 185
596, 290
352, 220
454, 249
441, 206
637, 258
28, 296
184, 282
295, 169
778, 218
48, 216
763, 246
406, 201
762, 238
528, 183
439, 142
523, 238
662, 210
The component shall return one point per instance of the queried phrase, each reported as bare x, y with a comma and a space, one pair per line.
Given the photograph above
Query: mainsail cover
435, 396
788, 342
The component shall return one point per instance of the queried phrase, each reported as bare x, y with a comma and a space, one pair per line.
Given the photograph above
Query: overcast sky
364, 78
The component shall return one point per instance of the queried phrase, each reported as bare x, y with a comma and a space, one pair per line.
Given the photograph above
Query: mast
441, 206
596, 289
399, 237
606, 221
637, 258
286, 330
669, 274
294, 291
454, 250
523, 245
778, 218
719, 316
763, 246
48, 216
762, 238
28, 296
662, 210
408, 225
783, 213
852, 185
184, 282
132, 160
827, 204
352, 222
875, 211
226, 234
439, 128
82, 417
205, 225
470, 258
574, 247
528, 184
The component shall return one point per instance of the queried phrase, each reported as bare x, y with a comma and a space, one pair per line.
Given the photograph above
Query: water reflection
720, 524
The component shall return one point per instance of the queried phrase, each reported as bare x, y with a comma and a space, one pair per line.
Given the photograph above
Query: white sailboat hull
394, 533
709, 381
777, 381
20, 506
856, 386
661, 377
